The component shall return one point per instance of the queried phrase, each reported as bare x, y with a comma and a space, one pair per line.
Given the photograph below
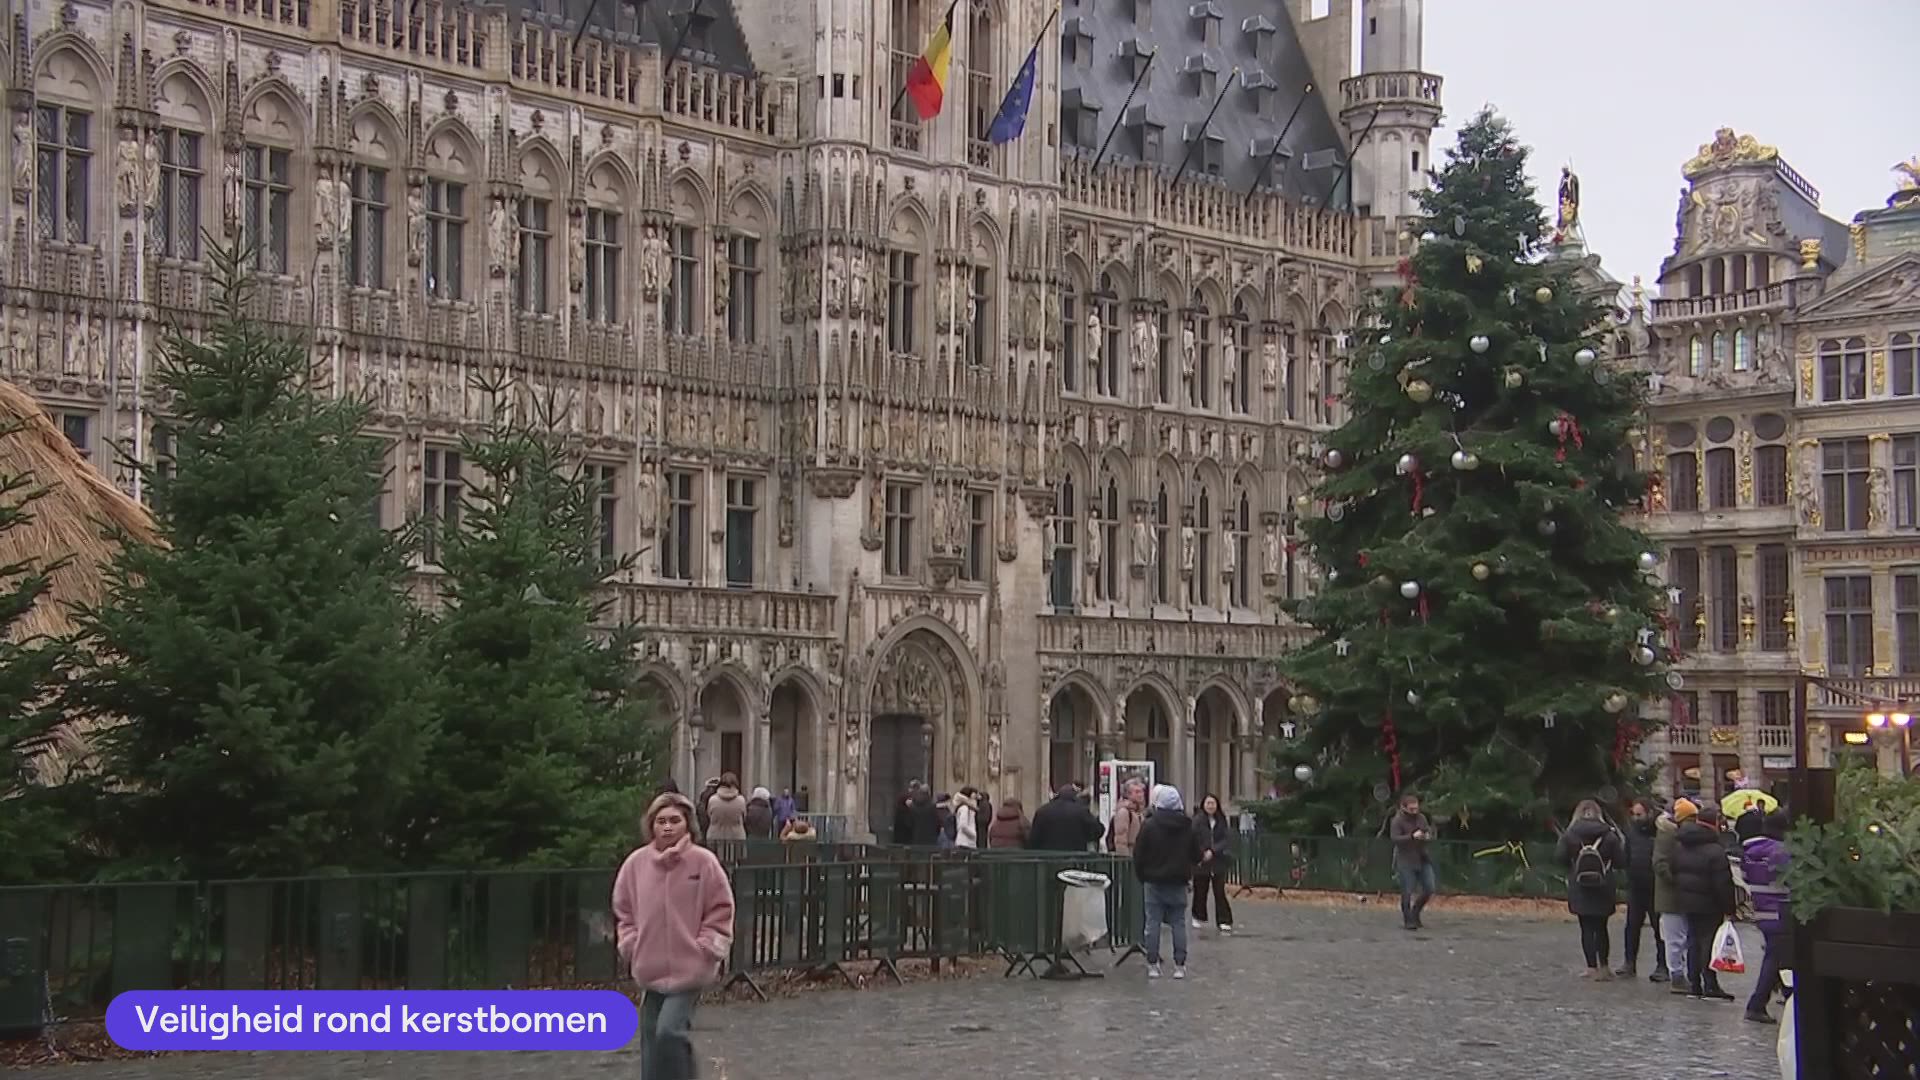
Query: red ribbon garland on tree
1421, 607
1569, 429
1624, 736
1390, 742
1419, 488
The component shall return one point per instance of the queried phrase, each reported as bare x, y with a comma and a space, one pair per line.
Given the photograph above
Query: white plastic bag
1727, 956
1786, 1049
1083, 912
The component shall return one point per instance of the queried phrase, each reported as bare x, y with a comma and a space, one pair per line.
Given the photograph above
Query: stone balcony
1391, 88
1730, 303
1067, 633
693, 608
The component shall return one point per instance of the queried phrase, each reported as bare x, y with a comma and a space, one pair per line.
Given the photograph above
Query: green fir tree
1486, 623
546, 755
269, 710
35, 828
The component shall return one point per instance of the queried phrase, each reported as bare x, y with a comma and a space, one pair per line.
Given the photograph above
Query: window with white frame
1843, 478
1850, 625
367, 227
1903, 356
175, 219
1906, 481
269, 206
1060, 582
605, 479
743, 509
1843, 369
603, 243
446, 238
682, 311
743, 284
63, 139
440, 496
532, 289
898, 536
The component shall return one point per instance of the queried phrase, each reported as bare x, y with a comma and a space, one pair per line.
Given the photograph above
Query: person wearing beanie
673, 920
1165, 854
1672, 922
759, 819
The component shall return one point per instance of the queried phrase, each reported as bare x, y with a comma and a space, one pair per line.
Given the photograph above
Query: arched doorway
664, 711
1072, 721
1150, 732
793, 759
722, 733
919, 698
1213, 724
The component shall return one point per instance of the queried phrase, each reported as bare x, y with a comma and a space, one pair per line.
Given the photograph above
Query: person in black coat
1165, 855
1216, 845
1590, 849
1641, 831
1064, 824
1703, 892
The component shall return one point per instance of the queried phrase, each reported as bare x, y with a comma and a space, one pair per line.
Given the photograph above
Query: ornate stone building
943, 458
1786, 427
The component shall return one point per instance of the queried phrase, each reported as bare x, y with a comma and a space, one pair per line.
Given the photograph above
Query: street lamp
1894, 725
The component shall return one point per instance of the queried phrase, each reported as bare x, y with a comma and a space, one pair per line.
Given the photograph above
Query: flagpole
1115, 129
1347, 164
945, 20
1278, 141
1204, 124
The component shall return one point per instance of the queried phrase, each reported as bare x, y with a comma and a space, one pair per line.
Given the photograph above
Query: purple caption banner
371, 1020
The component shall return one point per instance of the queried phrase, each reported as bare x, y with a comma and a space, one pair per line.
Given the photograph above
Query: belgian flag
927, 79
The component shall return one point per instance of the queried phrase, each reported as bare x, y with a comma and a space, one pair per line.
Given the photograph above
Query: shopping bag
1727, 956
1786, 1049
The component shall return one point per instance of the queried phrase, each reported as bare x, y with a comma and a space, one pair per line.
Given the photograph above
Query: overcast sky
1627, 90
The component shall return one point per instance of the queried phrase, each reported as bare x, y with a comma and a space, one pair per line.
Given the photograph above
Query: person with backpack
1591, 848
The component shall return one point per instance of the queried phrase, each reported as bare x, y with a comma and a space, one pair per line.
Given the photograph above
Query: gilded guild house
945, 453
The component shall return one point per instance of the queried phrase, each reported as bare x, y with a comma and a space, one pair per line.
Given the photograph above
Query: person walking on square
1410, 831
966, 819
1216, 854
1703, 892
1124, 827
1666, 896
727, 811
1165, 856
1641, 831
1764, 860
673, 921
1590, 848
1009, 829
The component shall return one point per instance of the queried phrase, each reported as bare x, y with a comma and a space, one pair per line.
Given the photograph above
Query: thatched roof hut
68, 522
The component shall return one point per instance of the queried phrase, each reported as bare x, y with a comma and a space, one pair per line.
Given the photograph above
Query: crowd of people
1685, 876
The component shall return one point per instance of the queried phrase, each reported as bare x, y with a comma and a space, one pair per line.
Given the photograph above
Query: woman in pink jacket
673, 909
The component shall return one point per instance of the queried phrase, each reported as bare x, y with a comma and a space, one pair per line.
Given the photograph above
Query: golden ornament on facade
1806, 376
1700, 478
1857, 232
1877, 363
1810, 253
1907, 195
1787, 620
1747, 620
1728, 149
1746, 466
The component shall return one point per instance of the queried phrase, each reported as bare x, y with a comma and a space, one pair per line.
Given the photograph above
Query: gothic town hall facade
942, 457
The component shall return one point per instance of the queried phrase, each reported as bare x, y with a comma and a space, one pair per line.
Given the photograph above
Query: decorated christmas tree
1487, 623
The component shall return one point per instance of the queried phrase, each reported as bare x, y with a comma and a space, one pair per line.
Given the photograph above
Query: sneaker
1714, 993
1179, 971
1626, 971
1659, 976
1199, 924
1602, 974
1153, 971
1760, 1018
1226, 928
1679, 988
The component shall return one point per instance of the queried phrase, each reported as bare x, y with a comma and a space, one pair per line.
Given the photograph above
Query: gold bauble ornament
1474, 263
1303, 503
1514, 378
1481, 571
1543, 294
1420, 390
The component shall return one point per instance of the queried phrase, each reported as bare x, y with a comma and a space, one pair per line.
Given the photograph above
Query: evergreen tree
1486, 622
546, 755
274, 706
35, 830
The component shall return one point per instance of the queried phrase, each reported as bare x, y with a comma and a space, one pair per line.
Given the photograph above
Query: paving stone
1302, 992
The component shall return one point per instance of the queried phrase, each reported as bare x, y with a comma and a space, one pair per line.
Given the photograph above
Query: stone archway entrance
919, 699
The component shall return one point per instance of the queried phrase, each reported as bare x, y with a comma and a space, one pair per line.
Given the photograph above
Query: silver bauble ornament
1479, 343
1481, 571
1649, 561
1333, 575
1406, 464
1293, 704
1464, 461
1334, 459
1413, 697
1615, 702
1556, 427
1336, 511
1547, 527
1409, 589
1584, 357
1543, 295
1303, 773
1643, 656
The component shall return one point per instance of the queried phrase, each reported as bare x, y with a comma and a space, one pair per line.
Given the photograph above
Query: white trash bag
1786, 1049
1083, 911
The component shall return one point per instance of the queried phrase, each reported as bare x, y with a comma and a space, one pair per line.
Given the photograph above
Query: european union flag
1011, 120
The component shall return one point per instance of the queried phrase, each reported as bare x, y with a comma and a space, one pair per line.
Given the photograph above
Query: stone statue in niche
942, 522
1189, 352
836, 285
96, 354
1877, 497
856, 299
233, 190
1270, 364
129, 174
416, 224
1096, 338
1229, 555
500, 238
653, 263
1096, 542
1272, 545
23, 152
647, 493
1146, 542
150, 154
1809, 486
1186, 550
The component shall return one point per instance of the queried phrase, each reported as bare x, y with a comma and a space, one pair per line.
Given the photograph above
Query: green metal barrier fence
799, 908
1365, 864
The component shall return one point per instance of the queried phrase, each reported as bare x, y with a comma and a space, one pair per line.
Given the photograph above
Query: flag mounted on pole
1011, 120
927, 79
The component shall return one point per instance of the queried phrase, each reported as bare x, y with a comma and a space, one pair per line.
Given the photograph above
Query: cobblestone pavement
1302, 992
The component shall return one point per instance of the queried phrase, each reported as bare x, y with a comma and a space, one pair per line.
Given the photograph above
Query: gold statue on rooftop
1907, 195
1728, 149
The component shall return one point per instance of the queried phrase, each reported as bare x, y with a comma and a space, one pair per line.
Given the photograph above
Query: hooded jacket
673, 912
966, 822
1763, 860
759, 816
1009, 828
1168, 847
1590, 899
1702, 876
1665, 832
1124, 829
727, 815
1064, 824
1639, 838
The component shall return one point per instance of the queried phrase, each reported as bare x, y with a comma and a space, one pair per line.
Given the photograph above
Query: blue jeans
1417, 886
666, 1043
1166, 904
